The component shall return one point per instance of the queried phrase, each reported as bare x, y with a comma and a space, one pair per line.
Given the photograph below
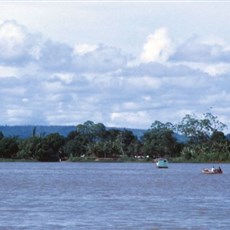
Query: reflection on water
112, 196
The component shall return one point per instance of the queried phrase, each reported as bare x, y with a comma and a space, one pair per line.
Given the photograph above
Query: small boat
212, 171
161, 163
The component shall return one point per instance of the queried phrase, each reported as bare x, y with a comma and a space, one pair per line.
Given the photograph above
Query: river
101, 196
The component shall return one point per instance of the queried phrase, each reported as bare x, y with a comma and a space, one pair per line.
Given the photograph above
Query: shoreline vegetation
110, 160
193, 140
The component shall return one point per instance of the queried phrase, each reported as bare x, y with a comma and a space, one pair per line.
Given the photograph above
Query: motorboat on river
212, 171
161, 163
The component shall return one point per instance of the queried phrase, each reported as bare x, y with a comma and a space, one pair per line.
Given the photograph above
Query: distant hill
181, 138
228, 137
25, 131
136, 132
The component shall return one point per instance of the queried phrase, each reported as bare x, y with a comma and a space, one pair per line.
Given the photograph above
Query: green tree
218, 136
92, 132
1, 135
50, 147
207, 141
159, 140
200, 129
8, 147
89, 134
128, 142
28, 147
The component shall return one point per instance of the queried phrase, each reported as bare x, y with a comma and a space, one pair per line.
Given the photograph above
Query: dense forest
203, 141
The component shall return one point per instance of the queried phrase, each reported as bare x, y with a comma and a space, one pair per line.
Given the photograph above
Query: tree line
203, 141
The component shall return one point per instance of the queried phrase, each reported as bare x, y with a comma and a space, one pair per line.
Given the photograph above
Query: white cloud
25, 100
102, 59
210, 56
158, 47
17, 45
15, 112
55, 56
67, 78
217, 98
67, 84
129, 105
6, 71
17, 115
144, 83
131, 119
211, 69
13, 91
53, 87
12, 39
82, 49
196, 50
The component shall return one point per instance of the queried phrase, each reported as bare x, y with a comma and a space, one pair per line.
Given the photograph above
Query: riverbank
16, 160
113, 160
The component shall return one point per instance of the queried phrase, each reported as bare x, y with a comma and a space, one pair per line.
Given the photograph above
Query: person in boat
213, 169
219, 170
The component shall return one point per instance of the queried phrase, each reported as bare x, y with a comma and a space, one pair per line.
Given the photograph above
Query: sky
120, 63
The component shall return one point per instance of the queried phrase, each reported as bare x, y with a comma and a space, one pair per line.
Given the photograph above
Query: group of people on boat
219, 170
213, 170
